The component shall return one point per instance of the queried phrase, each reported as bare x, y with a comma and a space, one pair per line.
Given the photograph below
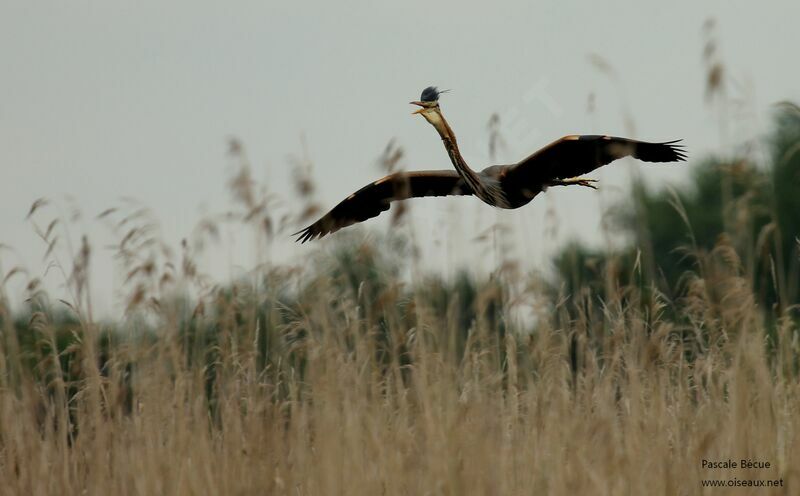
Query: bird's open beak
420, 110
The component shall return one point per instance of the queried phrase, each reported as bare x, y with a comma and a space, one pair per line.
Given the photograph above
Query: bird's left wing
574, 155
374, 198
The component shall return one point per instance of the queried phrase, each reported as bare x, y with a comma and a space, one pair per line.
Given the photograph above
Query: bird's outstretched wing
374, 198
574, 155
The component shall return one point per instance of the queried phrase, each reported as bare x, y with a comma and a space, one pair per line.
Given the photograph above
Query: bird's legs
580, 181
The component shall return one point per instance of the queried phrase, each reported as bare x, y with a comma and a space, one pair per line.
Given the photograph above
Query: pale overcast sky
105, 99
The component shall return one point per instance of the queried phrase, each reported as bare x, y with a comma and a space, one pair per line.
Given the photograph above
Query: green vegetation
737, 206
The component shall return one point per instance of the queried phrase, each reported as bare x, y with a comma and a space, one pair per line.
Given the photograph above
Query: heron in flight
560, 163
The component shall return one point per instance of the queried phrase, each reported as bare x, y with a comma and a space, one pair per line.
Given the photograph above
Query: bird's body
504, 186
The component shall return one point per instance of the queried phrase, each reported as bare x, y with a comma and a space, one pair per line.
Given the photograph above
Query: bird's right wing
374, 198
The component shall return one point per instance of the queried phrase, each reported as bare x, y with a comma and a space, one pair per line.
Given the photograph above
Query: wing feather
376, 197
575, 155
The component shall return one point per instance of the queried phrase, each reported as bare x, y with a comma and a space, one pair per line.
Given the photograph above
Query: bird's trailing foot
580, 181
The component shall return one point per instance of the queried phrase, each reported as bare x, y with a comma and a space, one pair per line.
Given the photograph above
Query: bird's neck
437, 120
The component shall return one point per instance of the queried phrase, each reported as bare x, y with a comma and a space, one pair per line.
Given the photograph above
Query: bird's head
429, 107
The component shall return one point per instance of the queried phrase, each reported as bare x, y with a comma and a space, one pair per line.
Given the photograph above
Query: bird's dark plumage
430, 94
374, 198
574, 155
